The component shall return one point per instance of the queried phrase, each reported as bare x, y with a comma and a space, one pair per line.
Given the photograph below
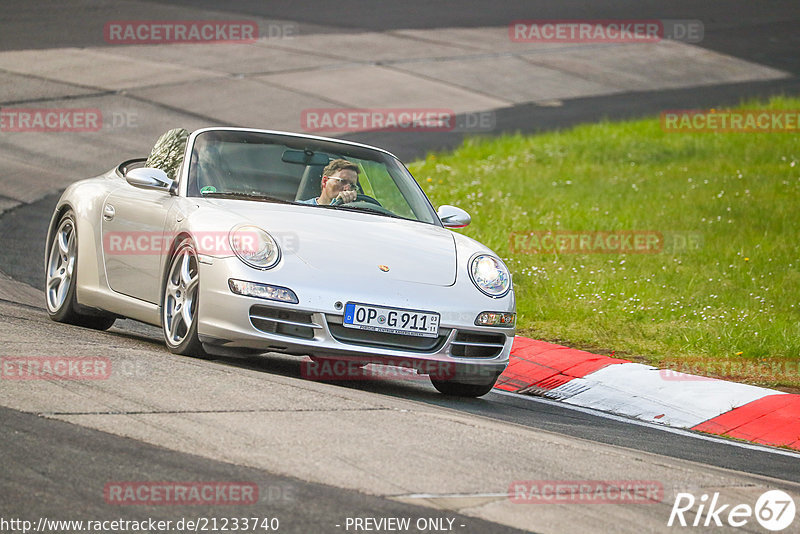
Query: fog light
262, 291
496, 319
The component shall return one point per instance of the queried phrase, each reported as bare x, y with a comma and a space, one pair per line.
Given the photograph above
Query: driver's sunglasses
344, 183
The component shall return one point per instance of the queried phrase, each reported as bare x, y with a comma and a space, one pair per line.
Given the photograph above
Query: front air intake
477, 345
283, 322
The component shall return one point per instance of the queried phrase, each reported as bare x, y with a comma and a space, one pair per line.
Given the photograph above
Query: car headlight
262, 291
490, 275
255, 247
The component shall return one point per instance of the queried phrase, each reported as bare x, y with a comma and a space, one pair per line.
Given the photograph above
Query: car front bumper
230, 323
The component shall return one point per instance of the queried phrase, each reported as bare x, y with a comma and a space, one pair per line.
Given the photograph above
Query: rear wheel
179, 304
62, 279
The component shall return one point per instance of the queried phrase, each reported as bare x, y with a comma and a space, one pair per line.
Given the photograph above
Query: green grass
728, 307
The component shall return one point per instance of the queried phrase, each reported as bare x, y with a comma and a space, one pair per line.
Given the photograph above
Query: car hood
354, 245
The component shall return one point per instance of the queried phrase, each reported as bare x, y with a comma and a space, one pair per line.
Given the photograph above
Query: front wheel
62, 278
179, 304
459, 389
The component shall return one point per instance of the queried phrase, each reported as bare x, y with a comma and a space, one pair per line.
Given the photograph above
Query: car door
134, 240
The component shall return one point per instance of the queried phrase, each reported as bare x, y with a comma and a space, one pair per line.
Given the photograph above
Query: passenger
339, 184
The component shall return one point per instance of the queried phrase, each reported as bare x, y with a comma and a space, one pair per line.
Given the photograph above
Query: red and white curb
647, 393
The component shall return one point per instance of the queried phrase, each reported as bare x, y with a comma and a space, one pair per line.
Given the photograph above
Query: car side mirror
149, 178
453, 217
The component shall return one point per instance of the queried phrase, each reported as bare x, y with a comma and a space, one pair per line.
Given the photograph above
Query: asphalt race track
323, 454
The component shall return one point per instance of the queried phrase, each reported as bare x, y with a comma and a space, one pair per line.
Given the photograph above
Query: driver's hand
347, 196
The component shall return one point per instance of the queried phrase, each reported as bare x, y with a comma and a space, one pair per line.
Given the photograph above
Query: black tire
61, 275
180, 292
459, 389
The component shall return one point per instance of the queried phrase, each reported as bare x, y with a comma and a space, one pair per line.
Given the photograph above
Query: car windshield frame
407, 186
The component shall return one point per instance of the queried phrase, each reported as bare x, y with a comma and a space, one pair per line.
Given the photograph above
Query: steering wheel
369, 206
366, 198
359, 198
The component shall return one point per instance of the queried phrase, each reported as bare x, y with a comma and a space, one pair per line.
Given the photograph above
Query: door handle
108, 212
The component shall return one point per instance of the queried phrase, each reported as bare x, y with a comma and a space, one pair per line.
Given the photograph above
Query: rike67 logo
774, 510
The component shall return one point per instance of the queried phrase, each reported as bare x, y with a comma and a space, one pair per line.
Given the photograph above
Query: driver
339, 184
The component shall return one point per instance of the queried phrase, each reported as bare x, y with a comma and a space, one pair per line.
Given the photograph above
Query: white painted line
448, 495
678, 431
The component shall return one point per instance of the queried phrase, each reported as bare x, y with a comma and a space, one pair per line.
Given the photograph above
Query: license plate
391, 320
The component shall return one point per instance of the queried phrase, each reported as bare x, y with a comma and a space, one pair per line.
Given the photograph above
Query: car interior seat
310, 183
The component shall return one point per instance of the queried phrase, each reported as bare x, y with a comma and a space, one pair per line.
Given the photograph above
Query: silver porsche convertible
238, 240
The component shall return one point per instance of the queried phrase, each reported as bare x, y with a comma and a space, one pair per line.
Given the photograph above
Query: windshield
285, 168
